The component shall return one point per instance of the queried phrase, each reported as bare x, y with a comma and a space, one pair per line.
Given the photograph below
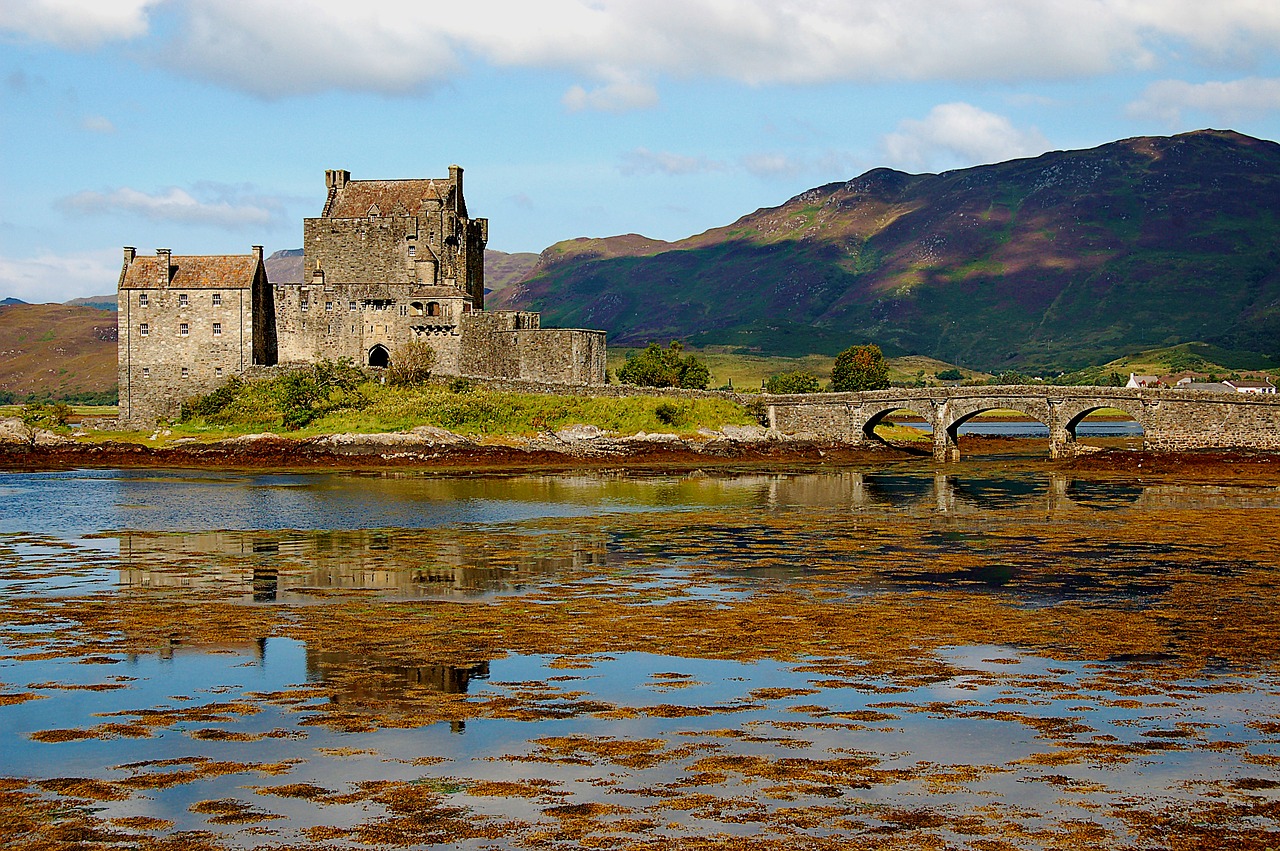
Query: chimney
164, 264
336, 178
129, 253
257, 253
455, 177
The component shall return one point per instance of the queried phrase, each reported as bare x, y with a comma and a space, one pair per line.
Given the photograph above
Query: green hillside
1067, 260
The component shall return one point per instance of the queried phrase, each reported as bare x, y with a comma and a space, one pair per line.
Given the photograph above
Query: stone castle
386, 262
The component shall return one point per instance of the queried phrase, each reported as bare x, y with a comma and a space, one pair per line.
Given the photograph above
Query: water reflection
273, 567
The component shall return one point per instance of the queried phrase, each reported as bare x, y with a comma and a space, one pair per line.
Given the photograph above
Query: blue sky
205, 126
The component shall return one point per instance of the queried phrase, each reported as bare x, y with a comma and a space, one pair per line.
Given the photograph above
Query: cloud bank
959, 134
221, 206
619, 48
1229, 101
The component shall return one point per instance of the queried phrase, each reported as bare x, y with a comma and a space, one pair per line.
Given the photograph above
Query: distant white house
1243, 386
1137, 381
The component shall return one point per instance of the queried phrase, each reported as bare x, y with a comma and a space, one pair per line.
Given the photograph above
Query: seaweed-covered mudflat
994, 656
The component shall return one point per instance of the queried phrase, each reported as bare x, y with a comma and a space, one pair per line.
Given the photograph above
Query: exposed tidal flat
996, 654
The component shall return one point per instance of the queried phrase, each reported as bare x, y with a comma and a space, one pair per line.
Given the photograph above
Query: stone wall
156, 372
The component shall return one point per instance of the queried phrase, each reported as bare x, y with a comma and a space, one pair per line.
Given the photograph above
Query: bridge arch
874, 415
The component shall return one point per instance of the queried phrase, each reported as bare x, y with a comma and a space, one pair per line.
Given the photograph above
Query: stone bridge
1171, 420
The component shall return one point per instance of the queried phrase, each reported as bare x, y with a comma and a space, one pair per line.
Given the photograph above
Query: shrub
671, 414
658, 367
412, 364
212, 404
793, 382
860, 368
462, 385
950, 375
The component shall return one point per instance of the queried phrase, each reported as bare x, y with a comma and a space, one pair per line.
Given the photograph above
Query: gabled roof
390, 197
1238, 382
210, 272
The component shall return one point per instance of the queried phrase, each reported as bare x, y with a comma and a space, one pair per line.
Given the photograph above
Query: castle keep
386, 262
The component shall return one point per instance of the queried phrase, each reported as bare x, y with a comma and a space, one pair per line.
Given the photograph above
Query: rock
440, 436
656, 437
51, 438
244, 439
578, 432
745, 434
12, 430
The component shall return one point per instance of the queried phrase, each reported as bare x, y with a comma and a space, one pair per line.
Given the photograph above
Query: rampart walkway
1171, 420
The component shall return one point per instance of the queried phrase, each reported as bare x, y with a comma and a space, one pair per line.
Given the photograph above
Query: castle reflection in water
297, 566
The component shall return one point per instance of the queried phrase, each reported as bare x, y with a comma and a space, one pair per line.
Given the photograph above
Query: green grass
475, 413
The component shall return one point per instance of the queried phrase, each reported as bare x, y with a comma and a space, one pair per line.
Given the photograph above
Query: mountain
8, 301
100, 302
56, 349
284, 266
1061, 261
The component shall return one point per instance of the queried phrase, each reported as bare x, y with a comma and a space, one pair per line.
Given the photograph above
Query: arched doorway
379, 356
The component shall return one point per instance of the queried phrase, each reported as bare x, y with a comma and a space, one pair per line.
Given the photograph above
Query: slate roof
210, 272
392, 197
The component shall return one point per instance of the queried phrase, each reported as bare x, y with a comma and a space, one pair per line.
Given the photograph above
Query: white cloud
621, 96
959, 134
75, 23
284, 47
98, 124
771, 165
49, 277
1228, 101
221, 207
644, 161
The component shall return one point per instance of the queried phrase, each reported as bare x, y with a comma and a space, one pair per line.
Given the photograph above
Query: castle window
142, 299
217, 329
404, 310
217, 299
352, 307
304, 304
184, 329
186, 373
328, 307
412, 250
417, 308
183, 300
217, 372
466, 307
144, 329
433, 308
146, 372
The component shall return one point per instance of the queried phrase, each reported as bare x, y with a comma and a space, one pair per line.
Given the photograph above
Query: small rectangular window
184, 329
142, 299
146, 372
217, 299
353, 307
183, 301
304, 304
217, 329
404, 310
217, 372
412, 251
186, 373
144, 329
328, 307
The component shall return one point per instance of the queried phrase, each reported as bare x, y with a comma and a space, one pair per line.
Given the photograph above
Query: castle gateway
386, 262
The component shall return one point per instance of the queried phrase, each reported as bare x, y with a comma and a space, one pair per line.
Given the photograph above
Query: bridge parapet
1171, 420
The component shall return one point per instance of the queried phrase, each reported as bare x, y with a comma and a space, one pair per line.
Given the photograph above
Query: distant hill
57, 349
99, 302
11, 300
1066, 260
285, 266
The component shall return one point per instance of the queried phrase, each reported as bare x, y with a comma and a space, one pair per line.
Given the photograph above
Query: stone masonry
1171, 420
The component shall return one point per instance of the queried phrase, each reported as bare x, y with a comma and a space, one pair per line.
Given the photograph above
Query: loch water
986, 655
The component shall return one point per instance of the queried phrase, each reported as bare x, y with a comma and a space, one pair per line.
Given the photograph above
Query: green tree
659, 367
952, 374
412, 364
792, 382
860, 368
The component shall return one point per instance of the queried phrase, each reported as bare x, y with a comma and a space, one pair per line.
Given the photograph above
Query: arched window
379, 356
416, 308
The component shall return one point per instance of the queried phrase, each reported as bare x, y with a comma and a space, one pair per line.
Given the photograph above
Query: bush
860, 368
671, 414
950, 375
214, 403
658, 367
793, 382
412, 364
462, 385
